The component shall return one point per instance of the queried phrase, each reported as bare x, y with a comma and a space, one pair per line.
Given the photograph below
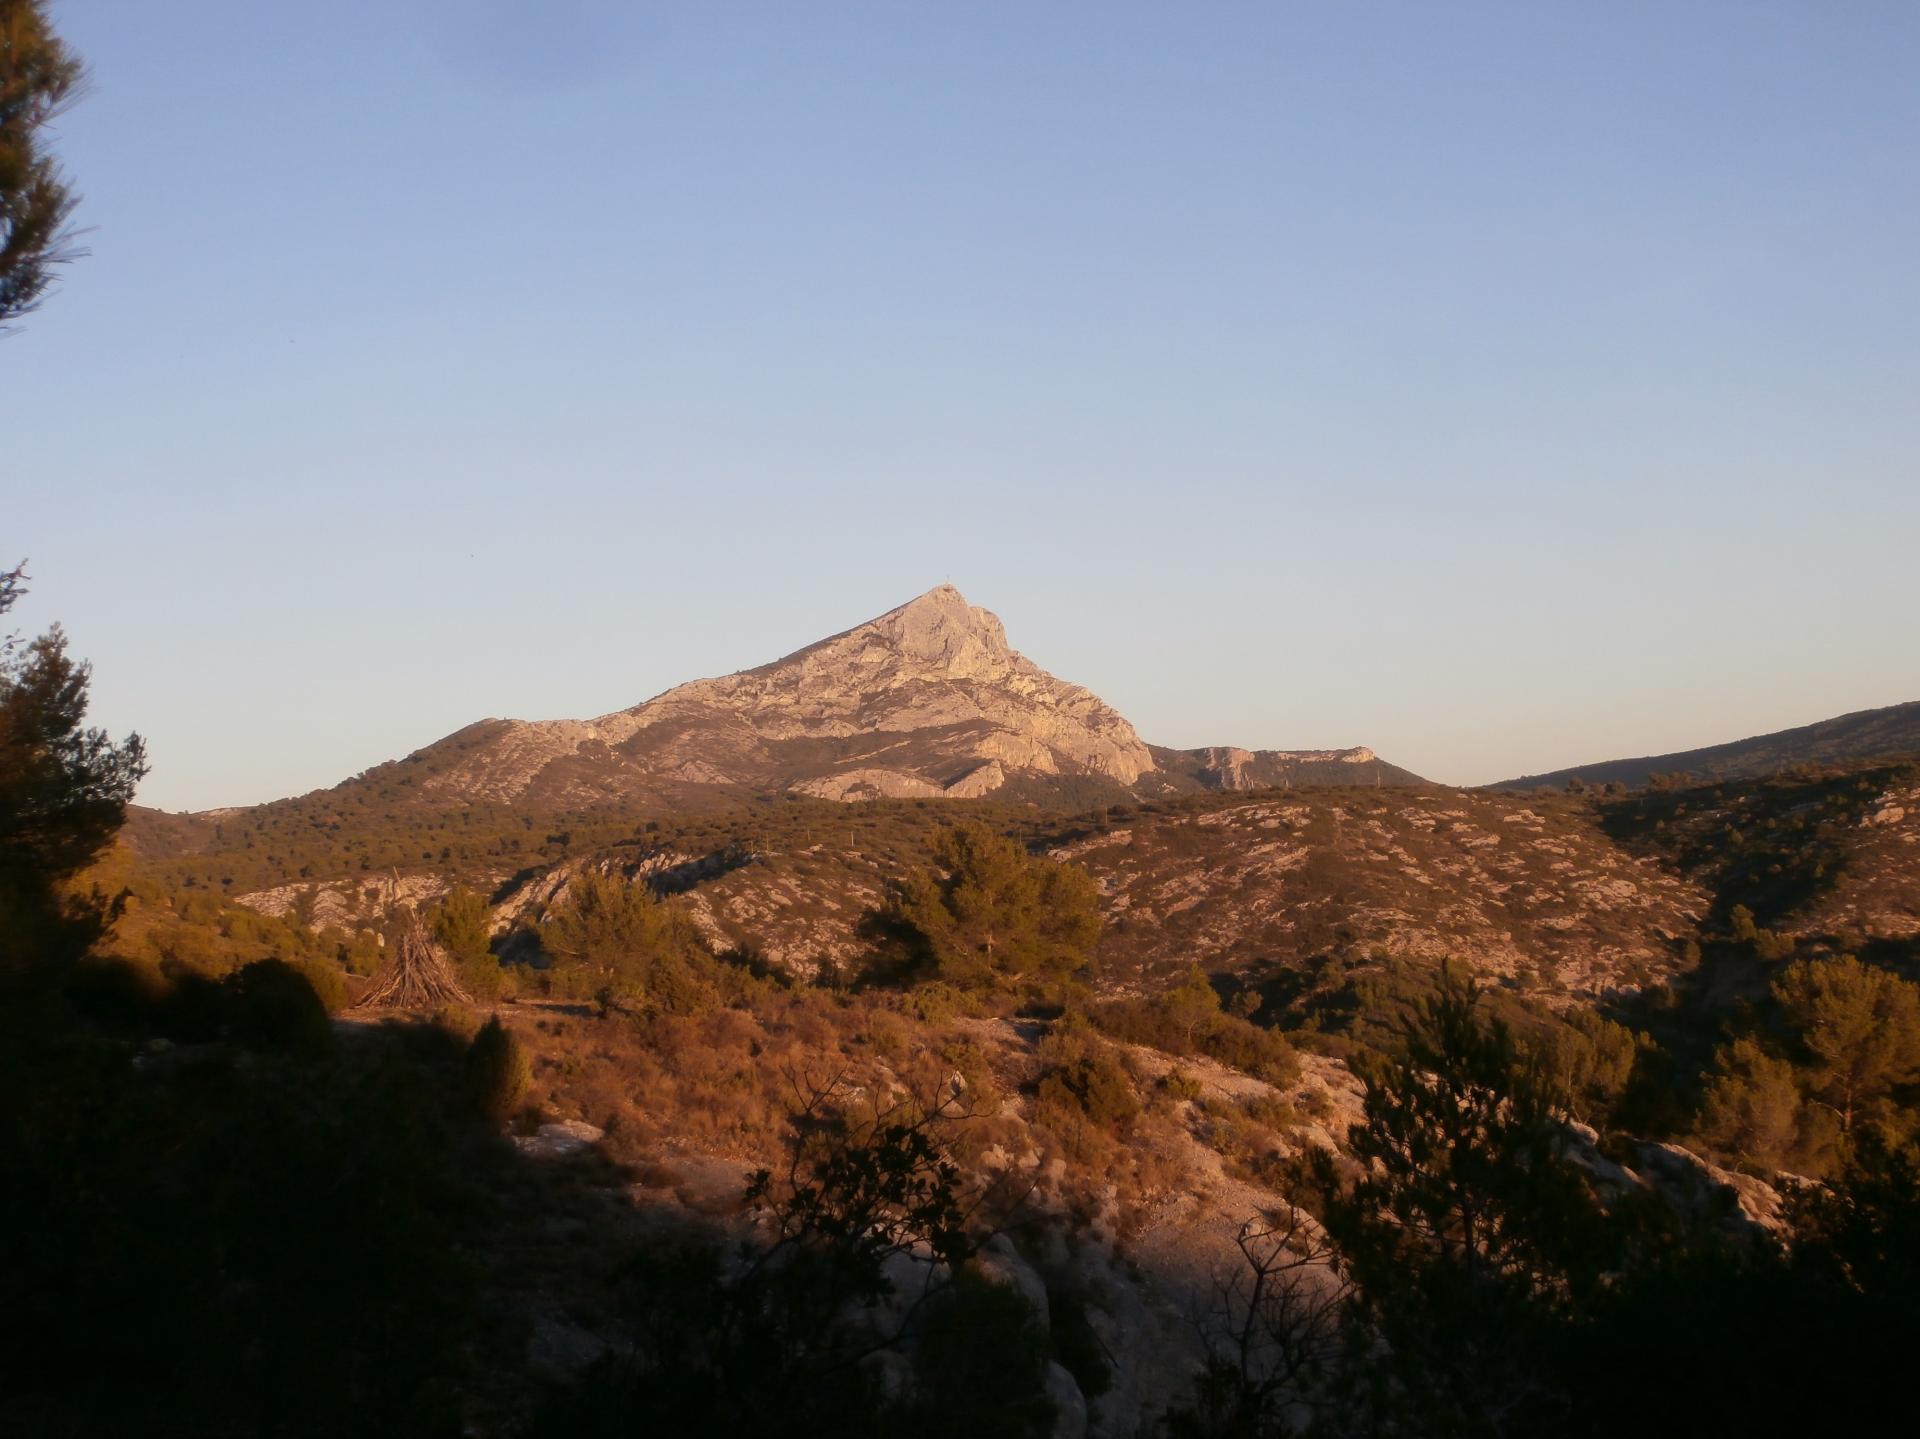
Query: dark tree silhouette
38, 77
64, 790
1271, 1331
1469, 1240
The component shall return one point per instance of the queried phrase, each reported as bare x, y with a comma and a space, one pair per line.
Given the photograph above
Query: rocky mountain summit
926, 701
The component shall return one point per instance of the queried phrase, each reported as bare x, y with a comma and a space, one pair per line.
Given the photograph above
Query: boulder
1000, 1262
1069, 1404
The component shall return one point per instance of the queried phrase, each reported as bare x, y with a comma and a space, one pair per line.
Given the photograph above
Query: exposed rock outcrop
928, 700
1229, 767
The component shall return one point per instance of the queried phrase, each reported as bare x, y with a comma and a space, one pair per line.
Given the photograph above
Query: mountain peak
927, 699
942, 629
941, 594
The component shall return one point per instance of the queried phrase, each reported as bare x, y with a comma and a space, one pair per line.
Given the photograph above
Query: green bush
497, 1073
1178, 1084
482, 977
1766, 944
1187, 1019
328, 982
937, 1002
463, 924
1093, 1083
987, 913
271, 1005
613, 942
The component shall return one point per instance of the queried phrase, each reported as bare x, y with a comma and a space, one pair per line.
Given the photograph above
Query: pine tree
38, 77
1590, 1059
614, 942
464, 926
1467, 1235
1860, 1028
64, 790
1751, 1109
1192, 1005
988, 911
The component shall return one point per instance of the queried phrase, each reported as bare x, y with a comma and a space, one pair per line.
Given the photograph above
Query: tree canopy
613, 941
1835, 1055
39, 75
987, 911
463, 923
1466, 1235
64, 789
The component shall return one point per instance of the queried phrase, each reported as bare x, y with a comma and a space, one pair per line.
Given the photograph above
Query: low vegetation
987, 914
908, 1193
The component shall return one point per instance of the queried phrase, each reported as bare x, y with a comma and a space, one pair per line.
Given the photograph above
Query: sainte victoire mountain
928, 700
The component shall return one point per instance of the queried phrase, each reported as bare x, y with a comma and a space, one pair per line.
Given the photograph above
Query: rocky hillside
1536, 894
1266, 889
1829, 859
1865, 735
1227, 767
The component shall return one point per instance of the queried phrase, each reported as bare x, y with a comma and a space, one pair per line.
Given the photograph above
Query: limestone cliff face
1229, 767
926, 700
934, 663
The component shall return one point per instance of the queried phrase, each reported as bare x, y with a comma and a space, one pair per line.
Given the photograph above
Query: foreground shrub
328, 983
982, 1366
1086, 1079
497, 1073
207, 1249
271, 1005
1188, 1019
780, 1345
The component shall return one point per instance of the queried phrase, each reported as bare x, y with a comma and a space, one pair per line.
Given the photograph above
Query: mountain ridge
1883, 733
934, 676
925, 701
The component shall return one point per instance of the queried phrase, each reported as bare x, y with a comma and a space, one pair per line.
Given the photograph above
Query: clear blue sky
1502, 386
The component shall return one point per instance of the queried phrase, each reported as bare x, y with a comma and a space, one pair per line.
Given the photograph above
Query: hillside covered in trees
1878, 734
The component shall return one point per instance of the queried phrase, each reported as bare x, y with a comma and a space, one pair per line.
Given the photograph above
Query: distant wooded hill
1864, 735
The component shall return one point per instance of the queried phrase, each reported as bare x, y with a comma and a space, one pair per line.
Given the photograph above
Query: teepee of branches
416, 975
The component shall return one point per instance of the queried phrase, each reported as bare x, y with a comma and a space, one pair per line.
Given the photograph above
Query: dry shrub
1178, 1085
1070, 1135
968, 1062
886, 1033
1244, 1137
731, 1031
1160, 1169
1084, 1074
814, 1030
497, 1073
462, 1021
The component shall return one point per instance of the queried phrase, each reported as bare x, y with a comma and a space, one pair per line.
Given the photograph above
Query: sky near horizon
1503, 386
